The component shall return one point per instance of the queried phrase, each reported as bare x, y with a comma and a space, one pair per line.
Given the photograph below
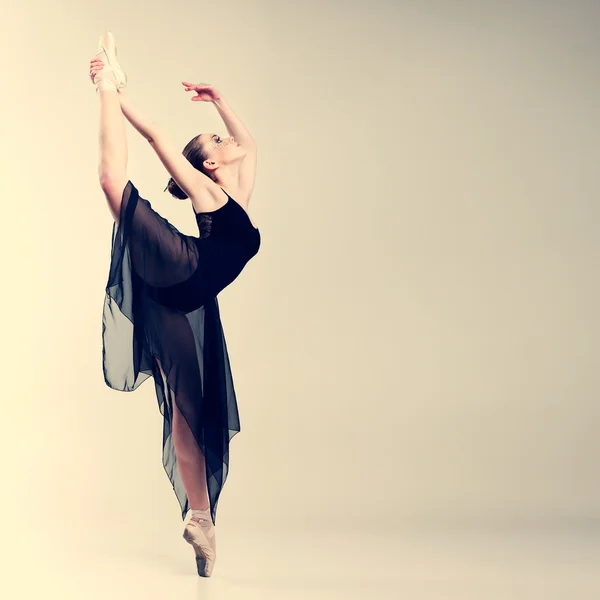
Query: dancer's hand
95, 65
205, 91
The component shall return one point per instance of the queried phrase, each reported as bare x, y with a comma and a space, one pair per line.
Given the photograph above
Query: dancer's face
221, 150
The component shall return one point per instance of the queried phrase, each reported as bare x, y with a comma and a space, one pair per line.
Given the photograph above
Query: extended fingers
196, 85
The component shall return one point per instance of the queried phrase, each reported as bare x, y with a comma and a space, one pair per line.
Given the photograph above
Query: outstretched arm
146, 128
236, 128
189, 179
247, 173
232, 122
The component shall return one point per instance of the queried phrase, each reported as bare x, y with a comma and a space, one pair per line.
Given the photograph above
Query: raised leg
112, 167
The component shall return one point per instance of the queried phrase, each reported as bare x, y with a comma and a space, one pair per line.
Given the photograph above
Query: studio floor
140, 560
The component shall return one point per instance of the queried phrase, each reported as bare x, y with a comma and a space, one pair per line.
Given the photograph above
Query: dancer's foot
200, 533
111, 71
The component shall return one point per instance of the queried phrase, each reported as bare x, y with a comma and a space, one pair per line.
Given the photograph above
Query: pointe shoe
204, 544
112, 71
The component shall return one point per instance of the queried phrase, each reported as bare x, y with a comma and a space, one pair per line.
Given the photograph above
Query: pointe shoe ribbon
112, 70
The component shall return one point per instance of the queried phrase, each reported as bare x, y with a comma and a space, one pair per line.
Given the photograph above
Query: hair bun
175, 190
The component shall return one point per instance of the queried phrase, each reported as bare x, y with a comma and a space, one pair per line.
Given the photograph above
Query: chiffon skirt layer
161, 313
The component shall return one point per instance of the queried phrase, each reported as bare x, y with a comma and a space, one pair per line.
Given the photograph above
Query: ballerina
161, 315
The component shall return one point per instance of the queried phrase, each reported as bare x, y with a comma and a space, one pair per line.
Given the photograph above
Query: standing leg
190, 460
200, 531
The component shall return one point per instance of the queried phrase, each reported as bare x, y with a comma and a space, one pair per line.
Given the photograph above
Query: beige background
416, 341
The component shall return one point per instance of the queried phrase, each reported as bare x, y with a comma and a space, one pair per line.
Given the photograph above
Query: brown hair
194, 152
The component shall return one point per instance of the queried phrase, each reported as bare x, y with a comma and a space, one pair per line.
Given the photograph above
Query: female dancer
161, 315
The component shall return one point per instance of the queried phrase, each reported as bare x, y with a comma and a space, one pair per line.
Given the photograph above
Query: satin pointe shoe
200, 533
112, 70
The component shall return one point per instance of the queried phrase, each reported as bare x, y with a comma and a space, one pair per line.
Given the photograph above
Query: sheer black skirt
159, 310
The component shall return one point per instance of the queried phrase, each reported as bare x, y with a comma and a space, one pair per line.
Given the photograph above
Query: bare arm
232, 122
144, 126
237, 129
189, 179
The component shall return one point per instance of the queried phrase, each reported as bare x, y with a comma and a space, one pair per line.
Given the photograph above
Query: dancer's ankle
106, 85
200, 511
201, 515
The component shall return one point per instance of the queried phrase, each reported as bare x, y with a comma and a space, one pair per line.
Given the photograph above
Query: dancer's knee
113, 187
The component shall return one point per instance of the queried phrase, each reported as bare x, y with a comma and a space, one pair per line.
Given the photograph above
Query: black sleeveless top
227, 241
230, 223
